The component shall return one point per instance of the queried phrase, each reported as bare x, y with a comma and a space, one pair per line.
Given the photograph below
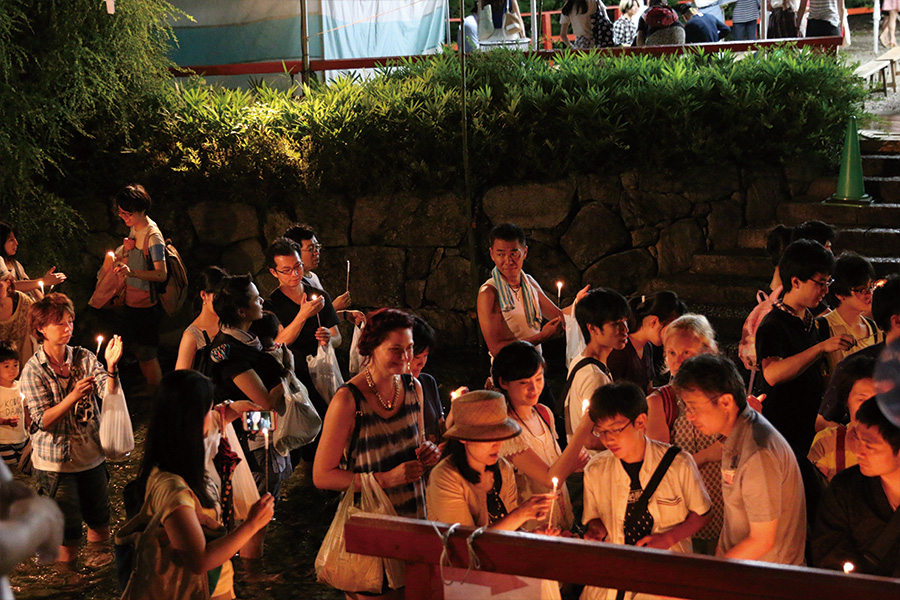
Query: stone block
598, 188
244, 257
418, 262
450, 285
677, 245
409, 221
724, 222
415, 292
454, 329
376, 277
549, 264
623, 272
329, 215
223, 223
821, 188
646, 236
641, 208
709, 185
530, 205
276, 224
595, 232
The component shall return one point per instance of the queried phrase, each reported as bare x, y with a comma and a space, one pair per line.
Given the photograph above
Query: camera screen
257, 420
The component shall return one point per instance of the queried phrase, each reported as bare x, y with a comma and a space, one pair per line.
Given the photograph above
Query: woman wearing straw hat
473, 485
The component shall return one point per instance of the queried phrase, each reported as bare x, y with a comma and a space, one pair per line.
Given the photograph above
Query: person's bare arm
800, 12
288, 334
755, 545
186, 536
596, 531
656, 419
252, 386
777, 370
158, 274
187, 349
663, 541
564, 34
712, 453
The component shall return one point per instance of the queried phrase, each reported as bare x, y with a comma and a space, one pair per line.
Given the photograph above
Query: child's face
9, 370
622, 436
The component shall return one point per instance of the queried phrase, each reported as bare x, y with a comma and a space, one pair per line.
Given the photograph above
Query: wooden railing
605, 565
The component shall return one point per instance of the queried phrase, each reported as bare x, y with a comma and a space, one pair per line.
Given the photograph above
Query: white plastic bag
357, 572
243, 487
574, 340
486, 22
116, 433
300, 423
356, 359
325, 371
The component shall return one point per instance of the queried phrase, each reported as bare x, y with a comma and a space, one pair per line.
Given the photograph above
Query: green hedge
528, 118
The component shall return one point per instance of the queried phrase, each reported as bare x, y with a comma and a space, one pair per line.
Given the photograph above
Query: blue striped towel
508, 299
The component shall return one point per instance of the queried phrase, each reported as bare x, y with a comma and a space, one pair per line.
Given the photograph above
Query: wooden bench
606, 565
893, 56
875, 71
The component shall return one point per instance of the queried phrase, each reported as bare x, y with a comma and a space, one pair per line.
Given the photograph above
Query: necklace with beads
374, 390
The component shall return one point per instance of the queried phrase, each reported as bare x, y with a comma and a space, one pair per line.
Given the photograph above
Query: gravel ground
860, 51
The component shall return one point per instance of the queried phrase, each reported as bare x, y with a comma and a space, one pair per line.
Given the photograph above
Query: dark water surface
294, 536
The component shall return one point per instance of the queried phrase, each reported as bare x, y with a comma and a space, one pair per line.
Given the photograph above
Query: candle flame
585, 404
559, 285
555, 482
41, 284
849, 567
111, 254
99, 339
313, 297
265, 431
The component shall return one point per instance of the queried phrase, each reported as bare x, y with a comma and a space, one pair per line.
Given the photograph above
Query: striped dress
383, 444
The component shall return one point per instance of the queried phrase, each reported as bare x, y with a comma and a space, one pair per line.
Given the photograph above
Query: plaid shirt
43, 389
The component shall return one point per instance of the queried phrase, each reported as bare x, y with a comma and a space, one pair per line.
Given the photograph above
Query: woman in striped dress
374, 423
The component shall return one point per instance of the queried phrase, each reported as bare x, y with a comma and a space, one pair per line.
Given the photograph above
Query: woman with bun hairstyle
205, 327
473, 485
649, 316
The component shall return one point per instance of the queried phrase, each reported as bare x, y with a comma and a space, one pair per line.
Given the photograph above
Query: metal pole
764, 21
449, 26
534, 25
304, 42
470, 202
876, 21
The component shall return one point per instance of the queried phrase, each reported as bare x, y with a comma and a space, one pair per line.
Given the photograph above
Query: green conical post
850, 189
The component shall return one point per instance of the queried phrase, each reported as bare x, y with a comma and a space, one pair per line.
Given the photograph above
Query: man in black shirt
700, 27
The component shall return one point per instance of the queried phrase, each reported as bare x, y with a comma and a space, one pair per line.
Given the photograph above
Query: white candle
552, 502
348, 275
111, 254
559, 294
265, 433
849, 567
318, 318
41, 285
99, 343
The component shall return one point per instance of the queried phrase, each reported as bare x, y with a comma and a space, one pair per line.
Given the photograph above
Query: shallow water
293, 539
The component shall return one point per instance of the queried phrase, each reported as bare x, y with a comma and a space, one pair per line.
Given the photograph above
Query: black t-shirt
285, 309
791, 406
230, 357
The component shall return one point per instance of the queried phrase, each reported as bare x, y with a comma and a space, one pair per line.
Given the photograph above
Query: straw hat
481, 416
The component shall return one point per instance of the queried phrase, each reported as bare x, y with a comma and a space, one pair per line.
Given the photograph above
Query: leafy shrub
528, 118
77, 83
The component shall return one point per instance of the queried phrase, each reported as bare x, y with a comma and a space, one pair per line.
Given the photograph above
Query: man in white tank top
511, 305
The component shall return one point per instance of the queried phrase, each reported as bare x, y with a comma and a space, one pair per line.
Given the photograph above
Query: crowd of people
665, 446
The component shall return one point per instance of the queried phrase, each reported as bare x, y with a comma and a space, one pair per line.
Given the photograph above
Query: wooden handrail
295, 66
606, 565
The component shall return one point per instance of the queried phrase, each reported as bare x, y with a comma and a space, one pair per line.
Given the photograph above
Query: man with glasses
761, 483
886, 314
790, 348
310, 253
639, 491
854, 282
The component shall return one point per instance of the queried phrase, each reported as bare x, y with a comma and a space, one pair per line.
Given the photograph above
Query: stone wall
412, 251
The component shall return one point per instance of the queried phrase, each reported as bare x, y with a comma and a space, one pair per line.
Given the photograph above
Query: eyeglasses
611, 432
825, 284
296, 269
694, 409
866, 289
313, 248
124, 213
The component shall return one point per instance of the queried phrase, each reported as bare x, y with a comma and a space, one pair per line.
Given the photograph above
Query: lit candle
265, 433
318, 318
585, 405
99, 343
455, 394
559, 294
41, 285
552, 502
348, 275
111, 254
849, 567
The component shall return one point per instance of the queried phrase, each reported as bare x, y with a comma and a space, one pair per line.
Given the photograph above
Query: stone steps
738, 292
736, 263
872, 242
880, 215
